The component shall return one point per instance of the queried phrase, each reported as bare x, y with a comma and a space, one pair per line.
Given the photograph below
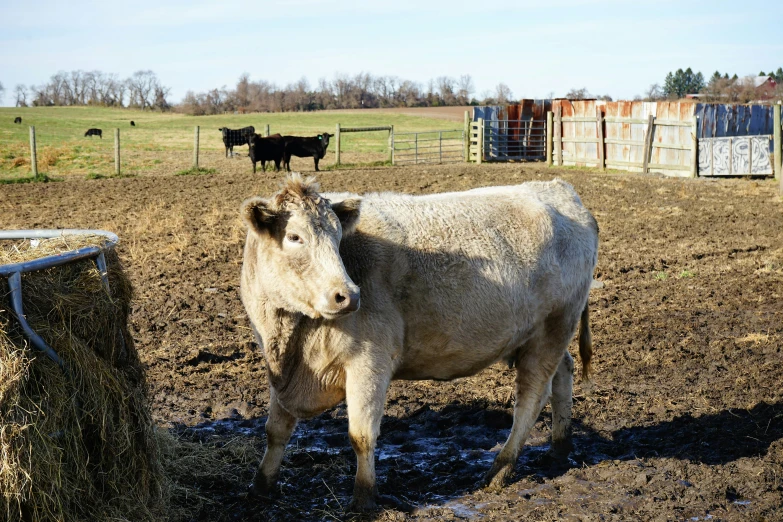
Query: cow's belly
445, 354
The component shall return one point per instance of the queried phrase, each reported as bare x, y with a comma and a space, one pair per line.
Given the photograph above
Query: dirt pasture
685, 421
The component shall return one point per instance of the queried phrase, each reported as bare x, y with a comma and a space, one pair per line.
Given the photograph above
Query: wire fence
51, 150
411, 148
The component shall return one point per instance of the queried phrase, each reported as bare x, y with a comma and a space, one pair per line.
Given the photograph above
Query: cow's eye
293, 238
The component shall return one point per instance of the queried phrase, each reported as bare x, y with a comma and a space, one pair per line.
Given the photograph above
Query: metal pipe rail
428, 147
514, 139
13, 272
366, 129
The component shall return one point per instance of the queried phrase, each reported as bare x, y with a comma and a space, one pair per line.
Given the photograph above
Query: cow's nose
347, 300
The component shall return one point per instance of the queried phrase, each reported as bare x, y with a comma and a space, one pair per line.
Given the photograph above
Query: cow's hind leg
279, 426
536, 364
562, 403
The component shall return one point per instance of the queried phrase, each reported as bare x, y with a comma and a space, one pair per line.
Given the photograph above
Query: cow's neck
284, 336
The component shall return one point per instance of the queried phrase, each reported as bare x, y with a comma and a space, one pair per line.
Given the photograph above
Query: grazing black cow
94, 132
305, 147
18, 119
133, 123
235, 137
266, 149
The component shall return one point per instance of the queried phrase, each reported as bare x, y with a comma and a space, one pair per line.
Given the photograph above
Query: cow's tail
585, 344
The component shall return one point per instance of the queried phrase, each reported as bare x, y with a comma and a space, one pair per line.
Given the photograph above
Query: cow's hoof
362, 504
498, 476
260, 487
561, 449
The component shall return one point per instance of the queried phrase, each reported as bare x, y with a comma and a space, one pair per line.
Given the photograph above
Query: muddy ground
685, 421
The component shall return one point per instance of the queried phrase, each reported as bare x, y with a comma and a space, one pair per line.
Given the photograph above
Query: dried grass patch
77, 444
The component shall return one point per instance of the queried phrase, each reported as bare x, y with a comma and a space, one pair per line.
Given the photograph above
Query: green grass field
162, 143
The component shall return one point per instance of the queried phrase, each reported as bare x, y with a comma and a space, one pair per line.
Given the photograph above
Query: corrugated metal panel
503, 140
735, 155
718, 120
523, 111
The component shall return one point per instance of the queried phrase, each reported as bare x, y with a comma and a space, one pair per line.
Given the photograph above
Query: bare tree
242, 93
446, 86
2, 90
21, 95
579, 94
465, 89
654, 93
503, 94
142, 85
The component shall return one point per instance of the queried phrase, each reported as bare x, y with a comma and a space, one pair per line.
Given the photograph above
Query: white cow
448, 284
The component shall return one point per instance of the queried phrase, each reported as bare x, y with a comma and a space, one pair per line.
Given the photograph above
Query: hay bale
75, 445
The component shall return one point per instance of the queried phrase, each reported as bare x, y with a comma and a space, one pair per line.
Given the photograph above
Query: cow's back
470, 275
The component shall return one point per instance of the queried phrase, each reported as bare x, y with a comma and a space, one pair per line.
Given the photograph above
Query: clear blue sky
537, 48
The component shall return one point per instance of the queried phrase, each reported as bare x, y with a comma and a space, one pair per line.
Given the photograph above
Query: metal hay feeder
13, 272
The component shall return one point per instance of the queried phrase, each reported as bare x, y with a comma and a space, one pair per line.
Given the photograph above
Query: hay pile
76, 445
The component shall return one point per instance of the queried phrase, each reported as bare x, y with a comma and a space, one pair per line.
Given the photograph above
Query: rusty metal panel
514, 131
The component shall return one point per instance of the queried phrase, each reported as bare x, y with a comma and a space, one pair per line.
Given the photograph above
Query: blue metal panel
724, 120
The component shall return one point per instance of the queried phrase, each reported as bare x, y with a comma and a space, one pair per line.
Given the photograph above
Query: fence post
559, 135
777, 145
549, 121
648, 138
599, 121
440, 147
391, 144
195, 147
480, 140
466, 138
695, 147
116, 152
33, 154
337, 145
416, 149
266, 130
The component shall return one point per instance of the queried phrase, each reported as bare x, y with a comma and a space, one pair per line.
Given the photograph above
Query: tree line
362, 90
141, 90
144, 90
719, 88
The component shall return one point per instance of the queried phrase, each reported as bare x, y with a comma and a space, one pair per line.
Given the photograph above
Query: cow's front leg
365, 395
279, 426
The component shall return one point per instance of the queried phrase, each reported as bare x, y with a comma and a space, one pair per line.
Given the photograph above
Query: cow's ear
348, 213
257, 215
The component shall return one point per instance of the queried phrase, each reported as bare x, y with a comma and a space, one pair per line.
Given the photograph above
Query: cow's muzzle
342, 301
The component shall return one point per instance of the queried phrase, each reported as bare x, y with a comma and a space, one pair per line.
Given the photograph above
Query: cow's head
325, 139
297, 261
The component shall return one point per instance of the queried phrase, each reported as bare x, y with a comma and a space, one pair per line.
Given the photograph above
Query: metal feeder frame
13, 272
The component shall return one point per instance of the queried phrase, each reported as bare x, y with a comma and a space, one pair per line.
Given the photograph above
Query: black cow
305, 147
235, 137
133, 123
266, 149
18, 119
94, 132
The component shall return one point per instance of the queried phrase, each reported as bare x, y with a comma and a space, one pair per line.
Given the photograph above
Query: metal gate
735, 156
506, 140
411, 148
